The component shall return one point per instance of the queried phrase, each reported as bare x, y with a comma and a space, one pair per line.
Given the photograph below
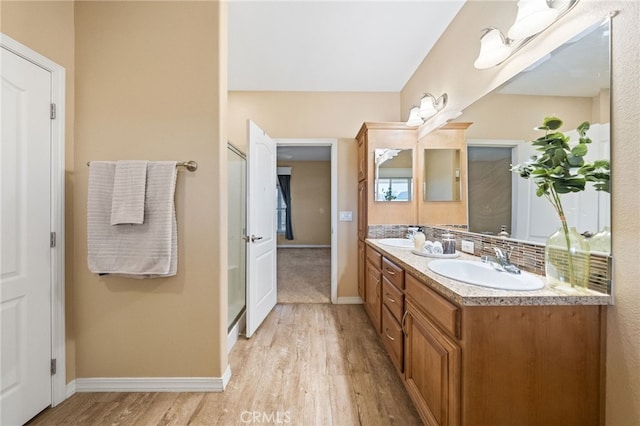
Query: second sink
482, 274
397, 242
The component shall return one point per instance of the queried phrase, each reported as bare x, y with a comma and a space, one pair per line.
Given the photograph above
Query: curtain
285, 188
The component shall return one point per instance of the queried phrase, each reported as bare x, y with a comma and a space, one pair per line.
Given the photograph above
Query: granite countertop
473, 295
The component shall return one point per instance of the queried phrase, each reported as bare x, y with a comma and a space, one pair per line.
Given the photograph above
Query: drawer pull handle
404, 317
378, 289
390, 271
386, 331
390, 299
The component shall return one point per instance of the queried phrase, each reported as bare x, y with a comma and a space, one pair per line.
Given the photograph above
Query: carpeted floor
304, 275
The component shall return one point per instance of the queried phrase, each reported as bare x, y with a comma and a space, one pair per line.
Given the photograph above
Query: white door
261, 212
25, 280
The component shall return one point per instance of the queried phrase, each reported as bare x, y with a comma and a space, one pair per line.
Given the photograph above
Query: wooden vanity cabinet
373, 287
392, 311
432, 354
361, 269
503, 365
384, 303
371, 212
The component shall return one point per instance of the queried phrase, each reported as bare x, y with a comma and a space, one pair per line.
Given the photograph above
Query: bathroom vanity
470, 355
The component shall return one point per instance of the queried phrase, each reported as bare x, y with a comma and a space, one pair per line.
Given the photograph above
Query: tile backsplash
526, 255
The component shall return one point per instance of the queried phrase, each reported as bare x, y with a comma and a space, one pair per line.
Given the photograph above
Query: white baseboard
303, 246
233, 335
70, 389
355, 300
154, 384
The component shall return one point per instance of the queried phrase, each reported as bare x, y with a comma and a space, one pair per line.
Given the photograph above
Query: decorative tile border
526, 255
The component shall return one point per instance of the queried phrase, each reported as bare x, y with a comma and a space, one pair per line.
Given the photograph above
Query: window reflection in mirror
442, 175
393, 174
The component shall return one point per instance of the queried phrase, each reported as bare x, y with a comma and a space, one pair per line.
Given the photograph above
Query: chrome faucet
501, 262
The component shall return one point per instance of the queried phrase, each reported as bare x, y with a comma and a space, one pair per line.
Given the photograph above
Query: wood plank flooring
308, 364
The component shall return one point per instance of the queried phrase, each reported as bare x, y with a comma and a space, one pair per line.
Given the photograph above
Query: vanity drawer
392, 298
393, 338
393, 272
374, 257
439, 309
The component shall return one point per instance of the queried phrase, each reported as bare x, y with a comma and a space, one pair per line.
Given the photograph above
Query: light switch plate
346, 216
467, 246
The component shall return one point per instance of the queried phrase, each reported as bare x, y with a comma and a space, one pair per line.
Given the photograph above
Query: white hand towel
143, 251
127, 206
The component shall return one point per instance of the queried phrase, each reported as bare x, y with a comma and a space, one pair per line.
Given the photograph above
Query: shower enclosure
237, 184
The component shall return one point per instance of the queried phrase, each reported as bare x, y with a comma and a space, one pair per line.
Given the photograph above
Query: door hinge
53, 366
53, 111
52, 239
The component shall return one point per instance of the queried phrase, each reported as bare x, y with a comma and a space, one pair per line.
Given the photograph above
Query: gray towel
142, 251
127, 206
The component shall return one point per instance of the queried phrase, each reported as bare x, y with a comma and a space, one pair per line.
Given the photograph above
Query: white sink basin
482, 274
397, 242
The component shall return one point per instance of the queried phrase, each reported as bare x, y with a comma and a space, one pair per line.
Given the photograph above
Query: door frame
333, 144
516, 188
58, 338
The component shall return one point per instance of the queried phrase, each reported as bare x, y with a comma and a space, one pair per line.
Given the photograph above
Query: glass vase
566, 259
601, 241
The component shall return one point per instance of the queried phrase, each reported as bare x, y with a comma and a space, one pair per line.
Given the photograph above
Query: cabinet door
373, 290
392, 338
361, 270
362, 210
432, 370
362, 160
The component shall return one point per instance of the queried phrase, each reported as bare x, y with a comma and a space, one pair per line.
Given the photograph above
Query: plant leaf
579, 150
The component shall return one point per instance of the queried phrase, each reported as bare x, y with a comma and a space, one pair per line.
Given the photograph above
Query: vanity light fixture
533, 17
494, 48
429, 106
414, 117
438, 122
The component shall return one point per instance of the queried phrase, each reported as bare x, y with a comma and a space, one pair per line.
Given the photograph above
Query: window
281, 212
393, 189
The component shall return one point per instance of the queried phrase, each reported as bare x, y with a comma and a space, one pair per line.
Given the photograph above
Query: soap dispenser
418, 240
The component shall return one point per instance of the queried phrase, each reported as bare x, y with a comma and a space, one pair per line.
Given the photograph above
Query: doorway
307, 259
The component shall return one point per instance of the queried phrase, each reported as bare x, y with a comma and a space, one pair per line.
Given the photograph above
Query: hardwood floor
308, 364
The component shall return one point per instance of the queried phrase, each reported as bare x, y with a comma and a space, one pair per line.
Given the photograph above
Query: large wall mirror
393, 180
572, 83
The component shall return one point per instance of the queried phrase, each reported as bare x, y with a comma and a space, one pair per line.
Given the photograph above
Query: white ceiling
320, 45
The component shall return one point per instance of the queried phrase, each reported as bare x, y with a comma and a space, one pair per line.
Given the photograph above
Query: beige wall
148, 87
311, 203
449, 68
493, 116
47, 27
319, 115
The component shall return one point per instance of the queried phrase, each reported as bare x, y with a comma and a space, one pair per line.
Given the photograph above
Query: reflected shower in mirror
442, 175
393, 174
572, 83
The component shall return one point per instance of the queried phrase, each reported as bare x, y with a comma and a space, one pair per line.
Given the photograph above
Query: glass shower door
237, 185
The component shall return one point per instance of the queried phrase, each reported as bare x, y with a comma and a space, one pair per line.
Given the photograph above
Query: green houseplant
561, 169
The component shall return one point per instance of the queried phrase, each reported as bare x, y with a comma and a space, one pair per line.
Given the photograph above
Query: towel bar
190, 165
